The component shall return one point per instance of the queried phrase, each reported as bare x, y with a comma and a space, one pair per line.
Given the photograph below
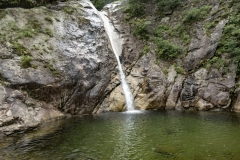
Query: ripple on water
133, 135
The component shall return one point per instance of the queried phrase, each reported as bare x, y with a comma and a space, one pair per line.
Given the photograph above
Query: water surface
146, 135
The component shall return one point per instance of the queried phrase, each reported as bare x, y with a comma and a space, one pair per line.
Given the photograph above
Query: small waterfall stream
116, 44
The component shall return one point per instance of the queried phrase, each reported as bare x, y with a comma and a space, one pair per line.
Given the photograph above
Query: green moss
68, 10
51, 68
19, 49
49, 32
49, 19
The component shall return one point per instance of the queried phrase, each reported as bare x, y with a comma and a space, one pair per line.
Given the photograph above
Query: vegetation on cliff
170, 26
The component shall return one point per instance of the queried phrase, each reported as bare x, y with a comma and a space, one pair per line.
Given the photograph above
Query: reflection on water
138, 135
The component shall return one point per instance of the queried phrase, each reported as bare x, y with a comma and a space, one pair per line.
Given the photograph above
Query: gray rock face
152, 89
19, 112
202, 47
71, 64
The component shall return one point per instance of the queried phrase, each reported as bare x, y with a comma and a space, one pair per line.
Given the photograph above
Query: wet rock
174, 94
202, 105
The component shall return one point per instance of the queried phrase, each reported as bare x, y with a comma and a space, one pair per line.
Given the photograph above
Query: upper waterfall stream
116, 44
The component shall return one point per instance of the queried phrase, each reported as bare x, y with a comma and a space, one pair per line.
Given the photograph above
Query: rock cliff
53, 59
56, 59
180, 83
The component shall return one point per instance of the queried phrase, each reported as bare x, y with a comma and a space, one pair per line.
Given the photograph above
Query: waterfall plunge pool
145, 135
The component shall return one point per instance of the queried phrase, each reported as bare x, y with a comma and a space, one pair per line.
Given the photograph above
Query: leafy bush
26, 61
196, 14
140, 26
178, 69
135, 10
166, 50
145, 50
169, 5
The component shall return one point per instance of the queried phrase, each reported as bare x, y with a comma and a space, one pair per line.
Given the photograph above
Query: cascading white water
116, 44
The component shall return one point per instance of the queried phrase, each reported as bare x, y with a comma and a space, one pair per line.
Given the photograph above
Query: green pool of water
146, 135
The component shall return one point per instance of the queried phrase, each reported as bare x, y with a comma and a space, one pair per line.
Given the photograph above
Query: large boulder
52, 60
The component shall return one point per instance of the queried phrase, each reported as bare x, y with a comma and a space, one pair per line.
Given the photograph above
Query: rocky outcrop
203, 47
52, 59
155, 86
19, 112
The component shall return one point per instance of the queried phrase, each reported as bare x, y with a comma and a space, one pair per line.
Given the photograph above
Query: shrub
168, 5
135, 10
20, 49
195, 14
25, 61
178, 69
145, 50
166, 50
140, 26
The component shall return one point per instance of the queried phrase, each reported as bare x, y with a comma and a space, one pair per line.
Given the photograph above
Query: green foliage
68, 10
178, 69
145, 50
19, 49
135, 9
164, 6
26, 61
49, 19
140, 26
230, 42
215, 62
162, 30
50, 67
196, 14
166, 50
49, 32
32, 28
209, 26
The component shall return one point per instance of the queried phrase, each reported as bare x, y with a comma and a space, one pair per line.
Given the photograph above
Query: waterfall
116, 43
